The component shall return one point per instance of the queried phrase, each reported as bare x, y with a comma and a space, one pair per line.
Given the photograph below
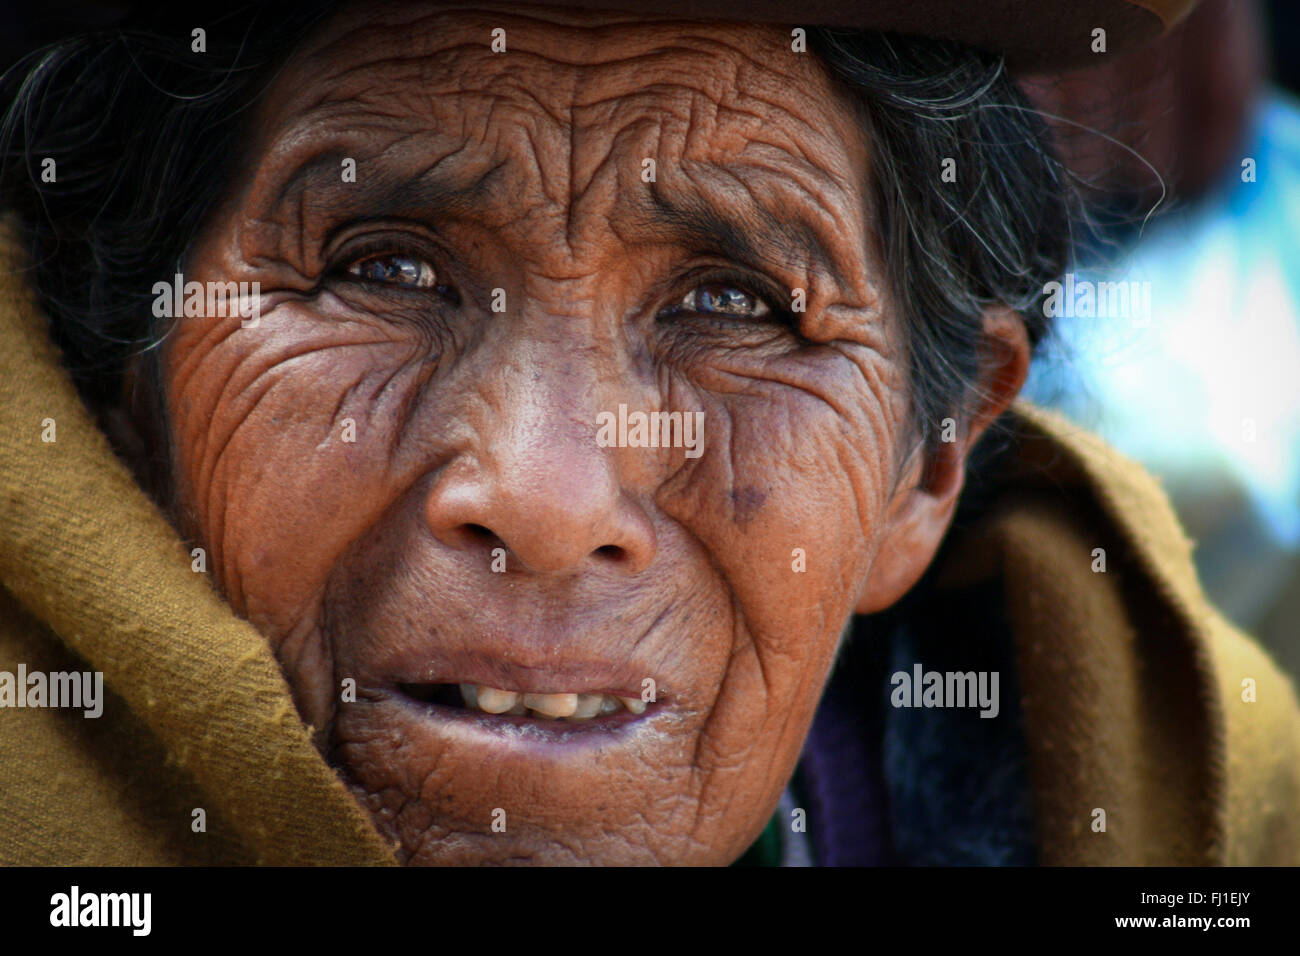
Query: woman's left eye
719, 298
394, 269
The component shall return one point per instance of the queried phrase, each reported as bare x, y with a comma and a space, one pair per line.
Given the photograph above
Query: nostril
475, 537
612, 551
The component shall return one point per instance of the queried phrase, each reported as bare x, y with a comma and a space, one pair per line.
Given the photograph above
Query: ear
926, 497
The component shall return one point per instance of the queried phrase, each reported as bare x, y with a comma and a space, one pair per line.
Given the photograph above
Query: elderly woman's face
399, 472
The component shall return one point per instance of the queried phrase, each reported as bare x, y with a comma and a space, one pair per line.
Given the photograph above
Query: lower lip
599, 730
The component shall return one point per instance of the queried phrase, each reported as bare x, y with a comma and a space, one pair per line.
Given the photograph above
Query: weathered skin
475, 430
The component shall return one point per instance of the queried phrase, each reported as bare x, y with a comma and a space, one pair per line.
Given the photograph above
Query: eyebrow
431, 191
749, 234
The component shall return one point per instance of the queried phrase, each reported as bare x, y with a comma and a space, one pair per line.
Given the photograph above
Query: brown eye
719, 298
394, 269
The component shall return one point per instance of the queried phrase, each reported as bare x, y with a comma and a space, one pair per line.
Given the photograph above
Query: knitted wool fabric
1130, 684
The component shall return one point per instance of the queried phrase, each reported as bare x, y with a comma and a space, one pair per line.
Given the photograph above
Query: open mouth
566, 707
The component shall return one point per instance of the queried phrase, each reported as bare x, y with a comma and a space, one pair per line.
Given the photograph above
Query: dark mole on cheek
745, 503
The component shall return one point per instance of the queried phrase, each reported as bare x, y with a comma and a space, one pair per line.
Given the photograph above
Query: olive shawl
1130, 684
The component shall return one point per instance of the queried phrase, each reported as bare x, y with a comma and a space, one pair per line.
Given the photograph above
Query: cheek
790, 496
283, 439
789, 501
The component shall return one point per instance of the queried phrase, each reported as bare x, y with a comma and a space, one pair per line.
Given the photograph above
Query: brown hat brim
1038, 35
1034, 35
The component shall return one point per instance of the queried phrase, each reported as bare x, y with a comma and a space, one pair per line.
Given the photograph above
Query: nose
538, 485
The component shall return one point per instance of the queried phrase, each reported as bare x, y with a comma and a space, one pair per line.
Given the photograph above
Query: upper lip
563, 674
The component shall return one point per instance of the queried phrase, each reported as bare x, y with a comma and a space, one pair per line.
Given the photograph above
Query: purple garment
840, 776
885, 786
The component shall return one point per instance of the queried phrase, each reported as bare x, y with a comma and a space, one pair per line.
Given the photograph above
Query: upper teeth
493, 700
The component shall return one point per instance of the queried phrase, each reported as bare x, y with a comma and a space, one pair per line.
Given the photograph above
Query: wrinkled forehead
498, 108
568, 67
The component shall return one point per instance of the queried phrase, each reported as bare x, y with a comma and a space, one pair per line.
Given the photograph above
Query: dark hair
995, 231
142, 133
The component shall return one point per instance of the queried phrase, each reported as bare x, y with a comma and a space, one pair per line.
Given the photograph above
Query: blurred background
1188, 157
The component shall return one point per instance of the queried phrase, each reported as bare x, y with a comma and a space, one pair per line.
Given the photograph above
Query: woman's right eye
394, 269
